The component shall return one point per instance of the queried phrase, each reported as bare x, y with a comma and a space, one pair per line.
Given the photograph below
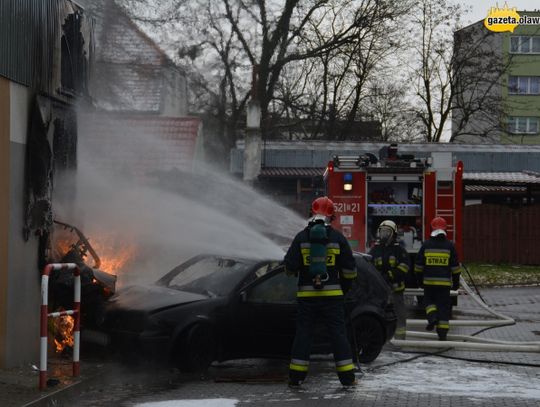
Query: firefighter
437, 260
392, 261
322, 259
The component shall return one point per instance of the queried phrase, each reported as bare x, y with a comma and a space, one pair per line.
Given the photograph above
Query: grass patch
487, 275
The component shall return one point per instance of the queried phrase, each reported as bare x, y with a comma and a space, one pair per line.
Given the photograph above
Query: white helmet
387, 231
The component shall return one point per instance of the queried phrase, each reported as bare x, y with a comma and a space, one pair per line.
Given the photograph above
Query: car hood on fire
151, 298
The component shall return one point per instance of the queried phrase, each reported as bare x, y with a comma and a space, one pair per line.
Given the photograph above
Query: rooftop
138, 144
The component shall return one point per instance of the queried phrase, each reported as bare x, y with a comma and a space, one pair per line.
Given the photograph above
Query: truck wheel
195, 351
369, 338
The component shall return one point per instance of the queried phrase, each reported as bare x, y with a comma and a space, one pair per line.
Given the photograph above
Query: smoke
167, 218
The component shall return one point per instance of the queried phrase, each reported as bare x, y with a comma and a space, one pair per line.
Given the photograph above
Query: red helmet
322, 206
438, 226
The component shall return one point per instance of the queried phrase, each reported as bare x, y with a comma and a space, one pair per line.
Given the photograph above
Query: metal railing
75, 312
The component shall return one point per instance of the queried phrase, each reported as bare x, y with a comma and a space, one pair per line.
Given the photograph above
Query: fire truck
410, 191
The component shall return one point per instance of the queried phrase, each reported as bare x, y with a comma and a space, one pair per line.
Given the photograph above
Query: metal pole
44, 315
77, 324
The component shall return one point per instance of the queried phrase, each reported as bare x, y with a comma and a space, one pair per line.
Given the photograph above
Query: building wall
19, 277
481, 126
521, 65
4, 211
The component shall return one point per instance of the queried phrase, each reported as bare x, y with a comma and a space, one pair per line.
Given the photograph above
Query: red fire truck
410, 191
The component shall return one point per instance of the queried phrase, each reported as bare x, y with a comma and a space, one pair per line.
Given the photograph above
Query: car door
268, 311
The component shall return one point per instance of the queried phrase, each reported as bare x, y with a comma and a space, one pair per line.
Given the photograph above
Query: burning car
218, 308
72, 246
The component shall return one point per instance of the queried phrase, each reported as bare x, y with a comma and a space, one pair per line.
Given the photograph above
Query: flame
63, 332
114, 254
62, 243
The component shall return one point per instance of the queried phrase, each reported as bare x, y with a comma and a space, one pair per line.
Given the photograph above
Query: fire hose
468, 342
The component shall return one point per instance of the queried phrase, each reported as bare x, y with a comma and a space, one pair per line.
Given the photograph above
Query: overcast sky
480, 7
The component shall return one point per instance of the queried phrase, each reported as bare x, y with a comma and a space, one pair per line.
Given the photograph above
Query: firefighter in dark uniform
392, 261
437, 260
322, 259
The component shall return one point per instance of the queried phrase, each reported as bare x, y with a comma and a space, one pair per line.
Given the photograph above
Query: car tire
369, 338
196, 349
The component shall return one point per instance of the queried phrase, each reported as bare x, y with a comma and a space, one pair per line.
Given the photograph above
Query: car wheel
369, 338
196, 349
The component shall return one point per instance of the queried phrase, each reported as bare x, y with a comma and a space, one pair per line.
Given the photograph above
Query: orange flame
114, 255
63, 332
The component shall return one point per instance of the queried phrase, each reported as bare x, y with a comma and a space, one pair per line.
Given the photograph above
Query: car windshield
212, 276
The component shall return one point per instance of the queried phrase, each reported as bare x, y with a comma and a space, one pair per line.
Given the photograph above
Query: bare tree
452, 82
333, 83
389, 103
219, 42
477, 79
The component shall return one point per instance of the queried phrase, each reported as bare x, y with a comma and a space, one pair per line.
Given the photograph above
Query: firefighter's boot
442, 330
431, 314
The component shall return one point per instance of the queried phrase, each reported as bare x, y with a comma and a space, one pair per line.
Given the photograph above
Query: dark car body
215, 308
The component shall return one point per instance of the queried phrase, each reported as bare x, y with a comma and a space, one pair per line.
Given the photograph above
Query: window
278, 289
212, 276
523, 125
524, 85
525, 45
73, 62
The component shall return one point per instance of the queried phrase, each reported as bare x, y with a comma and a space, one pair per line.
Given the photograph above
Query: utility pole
252, 140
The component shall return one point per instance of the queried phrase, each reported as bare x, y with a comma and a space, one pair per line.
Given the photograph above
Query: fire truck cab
410, 191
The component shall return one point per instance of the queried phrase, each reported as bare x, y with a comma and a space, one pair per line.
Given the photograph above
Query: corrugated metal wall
28, 30
474, 161
499, 234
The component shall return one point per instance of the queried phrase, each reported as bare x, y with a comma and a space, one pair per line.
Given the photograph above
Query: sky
480, 7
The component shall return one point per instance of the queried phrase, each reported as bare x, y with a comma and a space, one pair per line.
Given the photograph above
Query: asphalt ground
398, 377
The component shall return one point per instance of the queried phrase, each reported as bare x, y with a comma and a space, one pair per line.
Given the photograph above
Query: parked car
218, 308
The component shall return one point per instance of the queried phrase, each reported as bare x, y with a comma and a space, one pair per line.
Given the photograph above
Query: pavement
398, 377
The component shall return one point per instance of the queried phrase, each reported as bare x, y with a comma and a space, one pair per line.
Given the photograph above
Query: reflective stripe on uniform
431, 308
418, 268
398, 287
345, 368
403, 267
456, 270
392, 261
319, 293
299, 365
437, 282
326, 287
443, 325
344, 365
349, 274
435, 252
